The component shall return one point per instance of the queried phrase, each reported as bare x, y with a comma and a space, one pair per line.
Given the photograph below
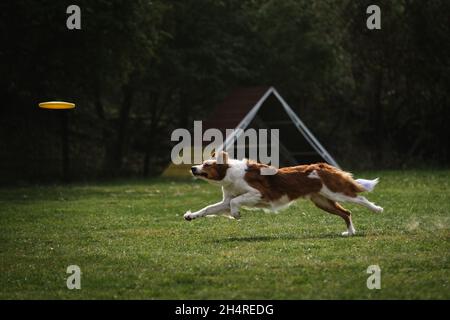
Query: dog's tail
368, 185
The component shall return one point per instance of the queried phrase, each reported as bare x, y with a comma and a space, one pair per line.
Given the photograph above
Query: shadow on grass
285, 237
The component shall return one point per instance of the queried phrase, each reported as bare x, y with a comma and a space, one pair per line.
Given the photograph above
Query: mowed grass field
131, 242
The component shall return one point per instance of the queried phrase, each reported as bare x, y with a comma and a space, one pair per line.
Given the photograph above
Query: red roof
234, 108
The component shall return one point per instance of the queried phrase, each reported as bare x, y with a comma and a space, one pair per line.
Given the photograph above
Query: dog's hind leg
366, 203
363, 202
335, 208
335, 196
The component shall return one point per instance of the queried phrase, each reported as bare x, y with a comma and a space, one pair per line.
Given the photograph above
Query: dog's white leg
366, 203
358, 200
249, 198
350, 230
209, 210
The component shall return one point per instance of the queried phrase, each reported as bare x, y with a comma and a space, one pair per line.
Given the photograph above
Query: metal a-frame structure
302, 128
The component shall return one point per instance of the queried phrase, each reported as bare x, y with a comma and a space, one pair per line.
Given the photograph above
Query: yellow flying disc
57, 105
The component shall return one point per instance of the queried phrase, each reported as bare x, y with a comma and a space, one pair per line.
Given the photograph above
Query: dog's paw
188, 216
235, 216
348, 234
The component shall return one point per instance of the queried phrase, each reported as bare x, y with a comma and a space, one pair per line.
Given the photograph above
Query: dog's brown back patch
294, 182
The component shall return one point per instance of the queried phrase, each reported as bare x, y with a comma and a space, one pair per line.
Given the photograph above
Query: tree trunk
65, 146
158, 102
376, 114
378, 109
146, 169
122, 126
105, 129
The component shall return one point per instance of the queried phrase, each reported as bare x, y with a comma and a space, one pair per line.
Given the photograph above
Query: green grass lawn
131, 242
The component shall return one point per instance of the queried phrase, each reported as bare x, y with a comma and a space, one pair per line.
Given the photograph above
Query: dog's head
213, 169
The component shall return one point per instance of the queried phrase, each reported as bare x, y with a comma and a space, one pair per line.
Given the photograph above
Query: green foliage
139, 69
130, 241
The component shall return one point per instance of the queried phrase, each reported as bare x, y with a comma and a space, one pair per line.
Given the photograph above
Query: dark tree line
138, 69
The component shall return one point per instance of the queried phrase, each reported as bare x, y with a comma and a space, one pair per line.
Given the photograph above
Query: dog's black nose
193, 169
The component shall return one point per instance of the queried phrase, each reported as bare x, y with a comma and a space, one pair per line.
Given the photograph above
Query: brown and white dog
243, 185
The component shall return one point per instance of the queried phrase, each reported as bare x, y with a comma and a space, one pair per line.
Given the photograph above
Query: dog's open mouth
201, 174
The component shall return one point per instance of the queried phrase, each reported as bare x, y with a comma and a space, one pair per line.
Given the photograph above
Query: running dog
243, 185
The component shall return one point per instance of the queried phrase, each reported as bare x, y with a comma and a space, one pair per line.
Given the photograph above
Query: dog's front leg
224, 205
249, 199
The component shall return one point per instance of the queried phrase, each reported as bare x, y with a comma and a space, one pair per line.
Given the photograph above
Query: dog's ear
222, 157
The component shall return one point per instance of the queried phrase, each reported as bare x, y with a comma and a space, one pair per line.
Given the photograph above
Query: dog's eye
206, 165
